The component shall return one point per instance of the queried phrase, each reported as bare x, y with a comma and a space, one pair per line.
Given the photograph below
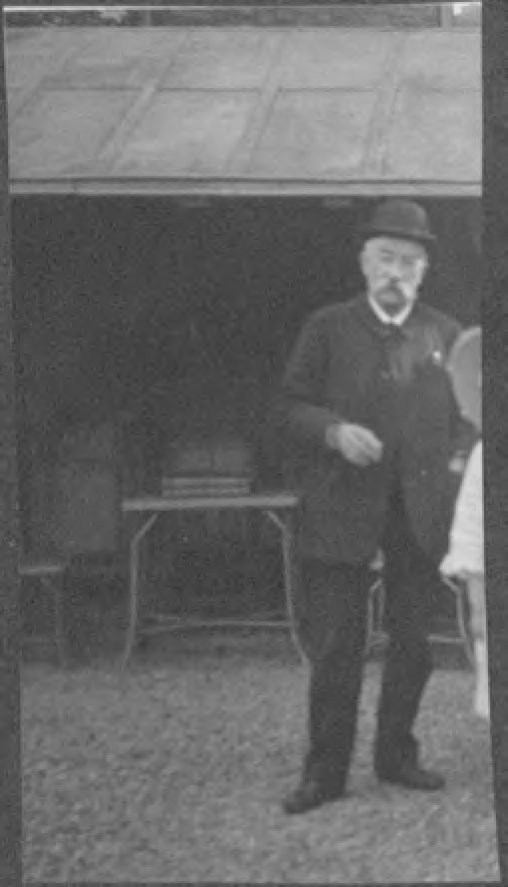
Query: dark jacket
347, 366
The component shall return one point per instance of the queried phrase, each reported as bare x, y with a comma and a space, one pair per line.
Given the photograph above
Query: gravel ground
174, 772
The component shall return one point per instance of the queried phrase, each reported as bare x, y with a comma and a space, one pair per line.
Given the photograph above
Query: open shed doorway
174, 318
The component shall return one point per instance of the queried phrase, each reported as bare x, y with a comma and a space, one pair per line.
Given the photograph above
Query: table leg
291, 574
134, 548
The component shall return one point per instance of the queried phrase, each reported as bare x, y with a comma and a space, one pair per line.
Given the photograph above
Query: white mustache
394, 287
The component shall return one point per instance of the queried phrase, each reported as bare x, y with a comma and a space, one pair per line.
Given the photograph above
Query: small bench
49, 573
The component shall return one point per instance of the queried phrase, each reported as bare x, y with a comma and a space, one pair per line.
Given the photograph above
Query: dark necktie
396, 353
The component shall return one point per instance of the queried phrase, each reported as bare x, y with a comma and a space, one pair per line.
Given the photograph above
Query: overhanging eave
230, 188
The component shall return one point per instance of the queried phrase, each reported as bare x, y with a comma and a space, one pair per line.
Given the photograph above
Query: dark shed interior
192, 306
171, 319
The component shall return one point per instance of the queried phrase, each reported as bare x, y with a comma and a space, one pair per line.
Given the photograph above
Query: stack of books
206, 485
214, 465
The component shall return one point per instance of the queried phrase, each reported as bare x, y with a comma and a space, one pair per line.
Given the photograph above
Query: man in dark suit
368, 417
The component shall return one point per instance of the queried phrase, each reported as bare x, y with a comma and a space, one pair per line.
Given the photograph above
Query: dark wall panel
186, 314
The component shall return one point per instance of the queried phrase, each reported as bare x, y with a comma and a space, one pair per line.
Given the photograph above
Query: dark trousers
334, 628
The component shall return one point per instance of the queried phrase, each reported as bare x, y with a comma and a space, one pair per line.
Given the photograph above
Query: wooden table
280, 508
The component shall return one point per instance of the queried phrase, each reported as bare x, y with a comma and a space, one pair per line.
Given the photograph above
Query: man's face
394, 270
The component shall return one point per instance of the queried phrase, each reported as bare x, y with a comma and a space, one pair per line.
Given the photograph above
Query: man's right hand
357, 444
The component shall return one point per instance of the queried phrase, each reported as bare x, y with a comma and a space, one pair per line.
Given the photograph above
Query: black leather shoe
309, 796
414, 777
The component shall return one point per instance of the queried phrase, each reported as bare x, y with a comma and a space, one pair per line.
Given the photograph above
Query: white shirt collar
397, 319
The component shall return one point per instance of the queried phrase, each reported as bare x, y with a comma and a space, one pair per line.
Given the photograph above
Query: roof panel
127, 61
301, 135
336, 59
48, 139
438, 133
186, 134
213, 58
448, 61
23, 71
29, 55
280, 107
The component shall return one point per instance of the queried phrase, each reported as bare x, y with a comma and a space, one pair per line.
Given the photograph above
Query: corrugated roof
244, 110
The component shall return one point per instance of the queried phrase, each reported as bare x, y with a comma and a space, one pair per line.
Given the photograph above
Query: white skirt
466, 551
465, 558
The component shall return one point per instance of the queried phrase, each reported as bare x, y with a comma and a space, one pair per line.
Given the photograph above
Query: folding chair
49, 573
376, 635
459, 590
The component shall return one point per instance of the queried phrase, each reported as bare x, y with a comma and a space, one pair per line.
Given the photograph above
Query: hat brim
423, 238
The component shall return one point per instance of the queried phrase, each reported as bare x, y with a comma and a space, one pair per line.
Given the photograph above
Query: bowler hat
400, 218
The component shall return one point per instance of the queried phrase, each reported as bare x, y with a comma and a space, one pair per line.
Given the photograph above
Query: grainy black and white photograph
247, 330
